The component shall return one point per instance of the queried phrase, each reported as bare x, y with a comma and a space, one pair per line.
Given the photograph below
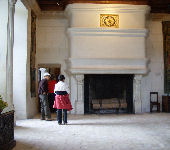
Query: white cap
46, 74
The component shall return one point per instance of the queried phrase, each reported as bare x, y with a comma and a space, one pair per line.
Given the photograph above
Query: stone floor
96, 132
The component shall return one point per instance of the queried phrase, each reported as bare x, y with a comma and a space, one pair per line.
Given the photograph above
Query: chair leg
158, 108
151, 108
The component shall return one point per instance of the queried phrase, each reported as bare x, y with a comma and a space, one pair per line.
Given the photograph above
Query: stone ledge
107, 66
108, 32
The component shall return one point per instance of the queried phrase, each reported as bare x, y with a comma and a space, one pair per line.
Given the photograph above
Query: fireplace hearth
108, 93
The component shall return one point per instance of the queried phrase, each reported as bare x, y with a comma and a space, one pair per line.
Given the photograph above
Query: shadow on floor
24, 146
21, 128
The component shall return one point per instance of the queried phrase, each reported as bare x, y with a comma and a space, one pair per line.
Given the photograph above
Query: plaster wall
52, 45
19, 61
25, 106
31, 102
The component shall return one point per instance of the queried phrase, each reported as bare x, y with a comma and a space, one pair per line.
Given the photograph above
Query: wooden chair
154, 102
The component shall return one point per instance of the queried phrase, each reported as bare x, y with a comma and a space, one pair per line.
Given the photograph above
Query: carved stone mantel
137, 101
104, 53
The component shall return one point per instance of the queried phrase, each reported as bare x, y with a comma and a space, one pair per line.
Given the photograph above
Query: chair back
154, 97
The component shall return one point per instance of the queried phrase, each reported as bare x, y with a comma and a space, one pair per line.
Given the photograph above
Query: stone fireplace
108, 93
96, 50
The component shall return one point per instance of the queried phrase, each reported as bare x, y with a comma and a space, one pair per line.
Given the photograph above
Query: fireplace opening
108, 93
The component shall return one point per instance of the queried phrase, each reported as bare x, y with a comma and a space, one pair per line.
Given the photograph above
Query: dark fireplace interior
108, 93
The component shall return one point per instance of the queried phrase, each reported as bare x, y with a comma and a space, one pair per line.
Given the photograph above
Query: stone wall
52, 39
154, 80
52, 48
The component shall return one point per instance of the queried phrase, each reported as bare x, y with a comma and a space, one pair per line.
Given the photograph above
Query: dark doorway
108, 93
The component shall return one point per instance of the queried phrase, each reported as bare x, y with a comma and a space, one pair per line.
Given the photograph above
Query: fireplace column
137, 101
79, 103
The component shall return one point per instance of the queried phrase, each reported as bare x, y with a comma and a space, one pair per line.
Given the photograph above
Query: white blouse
61, 86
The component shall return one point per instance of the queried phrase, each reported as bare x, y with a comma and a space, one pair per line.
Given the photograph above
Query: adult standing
43, 95
62, 102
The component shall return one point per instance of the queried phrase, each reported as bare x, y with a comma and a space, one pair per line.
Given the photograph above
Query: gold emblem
109, 20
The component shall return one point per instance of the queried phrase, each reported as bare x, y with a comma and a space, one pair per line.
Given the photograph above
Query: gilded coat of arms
109, 20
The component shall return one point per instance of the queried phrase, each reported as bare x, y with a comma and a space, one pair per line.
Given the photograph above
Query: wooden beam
135, 2
162, 6
47, 2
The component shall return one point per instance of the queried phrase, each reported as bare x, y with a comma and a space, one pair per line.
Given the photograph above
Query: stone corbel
80, 79
137, 94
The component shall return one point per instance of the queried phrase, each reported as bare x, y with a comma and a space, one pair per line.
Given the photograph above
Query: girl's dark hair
61, 77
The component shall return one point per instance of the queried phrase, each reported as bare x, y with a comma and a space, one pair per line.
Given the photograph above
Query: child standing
62, 102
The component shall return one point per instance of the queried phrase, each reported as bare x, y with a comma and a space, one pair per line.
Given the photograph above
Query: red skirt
62, 102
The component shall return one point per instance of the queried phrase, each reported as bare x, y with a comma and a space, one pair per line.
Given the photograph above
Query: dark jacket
43, 86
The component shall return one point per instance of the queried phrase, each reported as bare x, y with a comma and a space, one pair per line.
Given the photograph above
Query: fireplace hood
97, 50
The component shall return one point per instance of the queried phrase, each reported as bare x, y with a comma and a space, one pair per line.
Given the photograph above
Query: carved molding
79, 103
109, 20
107, 66
137, 87
137, 94
80, 79
108, 32
138, 78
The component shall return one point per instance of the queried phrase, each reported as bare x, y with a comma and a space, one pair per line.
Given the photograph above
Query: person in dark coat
43, 95
62, 102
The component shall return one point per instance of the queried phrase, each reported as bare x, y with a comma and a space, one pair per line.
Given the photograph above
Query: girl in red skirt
62, 102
